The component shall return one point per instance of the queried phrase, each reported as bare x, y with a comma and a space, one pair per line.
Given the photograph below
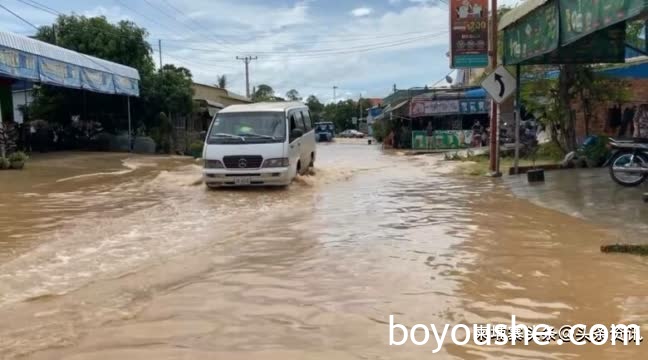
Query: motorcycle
629, 162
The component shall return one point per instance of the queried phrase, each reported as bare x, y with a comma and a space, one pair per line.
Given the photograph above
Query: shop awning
30, 59
568, 31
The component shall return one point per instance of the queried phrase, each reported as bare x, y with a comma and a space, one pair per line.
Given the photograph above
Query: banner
468, 33
533, 36
429, 107
474, 106
581, 18
18, 64
127, 86
59, 73
98, 81
442, 139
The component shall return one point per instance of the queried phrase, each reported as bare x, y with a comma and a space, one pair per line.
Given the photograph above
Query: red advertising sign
468, 33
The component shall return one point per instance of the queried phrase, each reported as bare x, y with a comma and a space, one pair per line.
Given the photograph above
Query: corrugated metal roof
519, 12
40, 48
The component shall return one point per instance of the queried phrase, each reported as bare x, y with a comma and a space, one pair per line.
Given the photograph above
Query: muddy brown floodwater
106, 256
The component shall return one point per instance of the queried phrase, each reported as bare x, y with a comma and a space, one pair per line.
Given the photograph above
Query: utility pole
335, 94
247, 60
494, 119
359, 108
160, 51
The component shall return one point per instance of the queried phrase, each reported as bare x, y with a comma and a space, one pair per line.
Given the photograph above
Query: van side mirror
296, 133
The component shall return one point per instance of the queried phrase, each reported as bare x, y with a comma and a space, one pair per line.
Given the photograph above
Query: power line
329, 51
182, 13
19, 17
40, 6
329, 39
91, 59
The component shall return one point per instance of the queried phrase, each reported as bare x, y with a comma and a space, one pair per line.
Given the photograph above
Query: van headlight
213, 164
275, 163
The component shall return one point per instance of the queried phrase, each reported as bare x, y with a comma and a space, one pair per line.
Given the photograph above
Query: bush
196, 149
4, 163
550, 151
18, 156
597, 152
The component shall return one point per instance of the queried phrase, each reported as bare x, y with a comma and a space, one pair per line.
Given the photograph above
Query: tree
222, 81
172, 89
293, 95
262, 93
315, 106
168, 90
577, 86
123, 43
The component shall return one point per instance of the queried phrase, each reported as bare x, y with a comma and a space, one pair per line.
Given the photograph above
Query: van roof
264, 106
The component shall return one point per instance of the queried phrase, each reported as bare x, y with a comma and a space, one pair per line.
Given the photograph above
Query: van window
248, 127
299, 121
307, 120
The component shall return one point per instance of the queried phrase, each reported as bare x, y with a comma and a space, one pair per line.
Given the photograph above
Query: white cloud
362, 11
361, 56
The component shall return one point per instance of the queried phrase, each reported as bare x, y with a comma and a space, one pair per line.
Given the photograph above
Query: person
477, 134
430, 135
397, 135
641, 122
626, 121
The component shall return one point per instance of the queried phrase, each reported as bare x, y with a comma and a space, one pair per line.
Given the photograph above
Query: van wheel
312, 162
299, 169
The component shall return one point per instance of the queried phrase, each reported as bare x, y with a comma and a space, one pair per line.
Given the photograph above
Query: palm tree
222, 81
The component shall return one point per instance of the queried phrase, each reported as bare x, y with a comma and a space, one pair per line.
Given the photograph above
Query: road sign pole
494, 133
518, 119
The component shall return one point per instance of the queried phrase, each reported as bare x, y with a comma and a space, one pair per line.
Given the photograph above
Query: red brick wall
639, 95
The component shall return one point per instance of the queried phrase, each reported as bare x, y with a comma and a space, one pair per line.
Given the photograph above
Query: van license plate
242, 181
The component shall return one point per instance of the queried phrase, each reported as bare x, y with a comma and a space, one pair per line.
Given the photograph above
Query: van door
294, 147
304, 146
308, 142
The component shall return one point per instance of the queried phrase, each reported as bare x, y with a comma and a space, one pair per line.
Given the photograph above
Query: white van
259, 144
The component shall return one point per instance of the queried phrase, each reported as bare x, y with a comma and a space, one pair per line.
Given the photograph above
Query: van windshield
248, 127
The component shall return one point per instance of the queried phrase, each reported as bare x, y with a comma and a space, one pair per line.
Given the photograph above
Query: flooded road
107, 257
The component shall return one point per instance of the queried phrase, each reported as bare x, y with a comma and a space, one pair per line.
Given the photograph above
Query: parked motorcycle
629, 162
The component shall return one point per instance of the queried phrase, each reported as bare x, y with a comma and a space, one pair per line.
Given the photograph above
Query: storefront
451, 117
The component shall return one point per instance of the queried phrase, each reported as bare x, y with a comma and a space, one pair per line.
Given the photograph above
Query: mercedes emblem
242, 163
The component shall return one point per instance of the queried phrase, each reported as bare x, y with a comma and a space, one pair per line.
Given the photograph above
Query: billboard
468, 34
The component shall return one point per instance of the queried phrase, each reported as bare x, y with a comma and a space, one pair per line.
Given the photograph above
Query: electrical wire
19, 17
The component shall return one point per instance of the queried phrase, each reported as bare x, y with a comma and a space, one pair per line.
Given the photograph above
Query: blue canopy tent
32, 60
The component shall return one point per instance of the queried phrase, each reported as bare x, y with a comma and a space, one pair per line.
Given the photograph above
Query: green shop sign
442, 139
535, 35
572, 31
581, 17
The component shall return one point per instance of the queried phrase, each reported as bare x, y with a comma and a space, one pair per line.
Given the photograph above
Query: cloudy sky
362, 47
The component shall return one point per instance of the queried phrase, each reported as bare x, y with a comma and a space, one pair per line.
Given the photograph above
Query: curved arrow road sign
500, 84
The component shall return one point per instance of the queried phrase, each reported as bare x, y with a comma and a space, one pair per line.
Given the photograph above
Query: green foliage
4, 163
381, 129
263, 93
550, 151
316, 107
171, 89
293, 95
597, 153
162, 134
554, 100
222, 81
168, 90
123, 43
18, 156
196, 149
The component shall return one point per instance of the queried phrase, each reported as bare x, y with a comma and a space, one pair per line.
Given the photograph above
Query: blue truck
324, 131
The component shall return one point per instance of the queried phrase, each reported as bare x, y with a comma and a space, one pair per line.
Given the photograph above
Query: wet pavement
591, 194
104, 256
